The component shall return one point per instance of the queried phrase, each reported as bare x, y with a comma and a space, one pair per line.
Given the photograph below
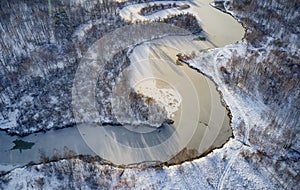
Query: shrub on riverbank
150, 9
186, 21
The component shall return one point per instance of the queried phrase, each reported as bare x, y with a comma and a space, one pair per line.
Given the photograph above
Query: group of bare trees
150, 9
39, 57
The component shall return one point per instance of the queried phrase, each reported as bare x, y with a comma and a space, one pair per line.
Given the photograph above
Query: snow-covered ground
240, 104
132, 12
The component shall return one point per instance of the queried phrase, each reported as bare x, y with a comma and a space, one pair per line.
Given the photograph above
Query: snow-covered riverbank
235, 166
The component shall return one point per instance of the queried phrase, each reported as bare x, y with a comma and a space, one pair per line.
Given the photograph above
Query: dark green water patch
22, 145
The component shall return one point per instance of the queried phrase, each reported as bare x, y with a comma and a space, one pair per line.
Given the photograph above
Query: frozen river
191, 100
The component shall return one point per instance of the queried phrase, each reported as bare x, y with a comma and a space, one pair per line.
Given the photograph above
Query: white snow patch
83, 29
26, 98
12, 120
60, 65
131, 12
53, 100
